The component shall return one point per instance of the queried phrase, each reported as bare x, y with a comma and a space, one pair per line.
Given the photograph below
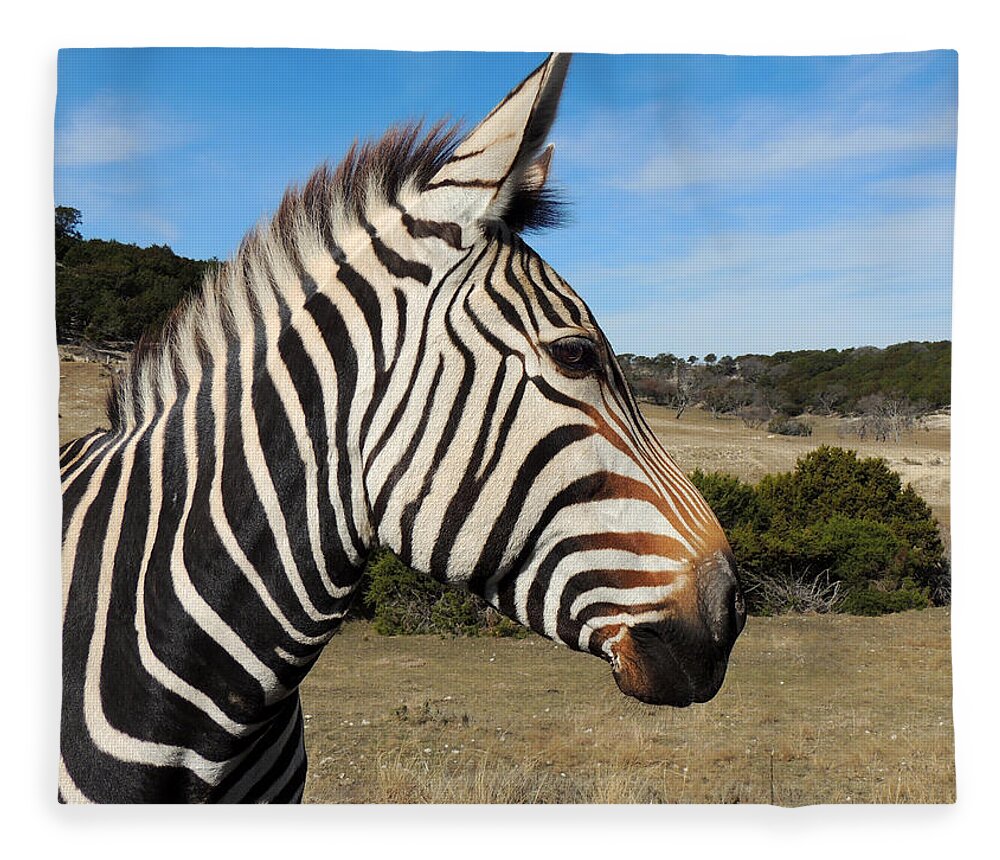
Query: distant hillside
920, 371
109, 291
792, 382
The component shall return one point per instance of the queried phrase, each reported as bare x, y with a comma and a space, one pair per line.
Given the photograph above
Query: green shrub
784, 426
456, 612
401, 601
874, 601
855, 551
732, 500
836, 518
502, 626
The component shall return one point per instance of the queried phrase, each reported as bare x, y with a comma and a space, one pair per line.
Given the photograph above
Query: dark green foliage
501, 625
855, 551
732, 500
401, 601
784, 426
68, 222
798, 380
727, 366
873, 601
399, 598
836, 515
108, 291
793, 382
455, 612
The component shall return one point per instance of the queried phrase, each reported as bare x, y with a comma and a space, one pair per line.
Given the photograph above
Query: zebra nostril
720, 600
739, 610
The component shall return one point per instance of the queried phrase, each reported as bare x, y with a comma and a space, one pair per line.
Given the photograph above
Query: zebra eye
575, 355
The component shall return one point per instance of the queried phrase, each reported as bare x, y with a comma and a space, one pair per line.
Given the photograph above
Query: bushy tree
837, 516
885, 417
401, 601
721, 395
109, 291
732, 500
782, 425
726, 366
68, 221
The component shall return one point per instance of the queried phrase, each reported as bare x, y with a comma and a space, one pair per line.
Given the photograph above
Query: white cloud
161, 229
865, 113
805, 144
898, 247
107, 130
935, 186
872, 280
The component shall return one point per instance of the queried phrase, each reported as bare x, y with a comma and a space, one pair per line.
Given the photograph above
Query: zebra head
524, 469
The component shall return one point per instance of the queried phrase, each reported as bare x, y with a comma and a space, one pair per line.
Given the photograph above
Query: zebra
384, 363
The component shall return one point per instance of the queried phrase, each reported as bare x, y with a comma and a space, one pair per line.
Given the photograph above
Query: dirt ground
820, 709
83, 389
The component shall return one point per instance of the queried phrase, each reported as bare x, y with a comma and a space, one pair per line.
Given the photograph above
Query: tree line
886, 388
111, 293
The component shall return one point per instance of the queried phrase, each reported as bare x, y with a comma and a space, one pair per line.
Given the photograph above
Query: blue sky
716, 203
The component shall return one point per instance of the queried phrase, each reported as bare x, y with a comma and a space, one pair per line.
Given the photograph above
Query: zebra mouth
668, 663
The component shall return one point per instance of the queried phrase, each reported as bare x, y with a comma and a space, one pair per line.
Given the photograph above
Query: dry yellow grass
922, 458
815, 710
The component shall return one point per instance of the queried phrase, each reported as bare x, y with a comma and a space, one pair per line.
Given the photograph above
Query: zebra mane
381, 168
374, 170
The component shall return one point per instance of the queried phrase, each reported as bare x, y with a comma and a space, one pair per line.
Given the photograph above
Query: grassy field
698, 441
815, 709
826, 709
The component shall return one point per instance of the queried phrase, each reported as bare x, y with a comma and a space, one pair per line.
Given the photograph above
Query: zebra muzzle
683, 658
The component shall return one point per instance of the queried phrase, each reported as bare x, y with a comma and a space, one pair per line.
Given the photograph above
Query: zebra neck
237, 519
356, 352
249, 476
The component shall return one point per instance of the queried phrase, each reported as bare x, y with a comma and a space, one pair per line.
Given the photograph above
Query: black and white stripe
377, 367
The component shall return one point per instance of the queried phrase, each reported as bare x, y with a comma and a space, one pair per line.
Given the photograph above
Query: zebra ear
499, 169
